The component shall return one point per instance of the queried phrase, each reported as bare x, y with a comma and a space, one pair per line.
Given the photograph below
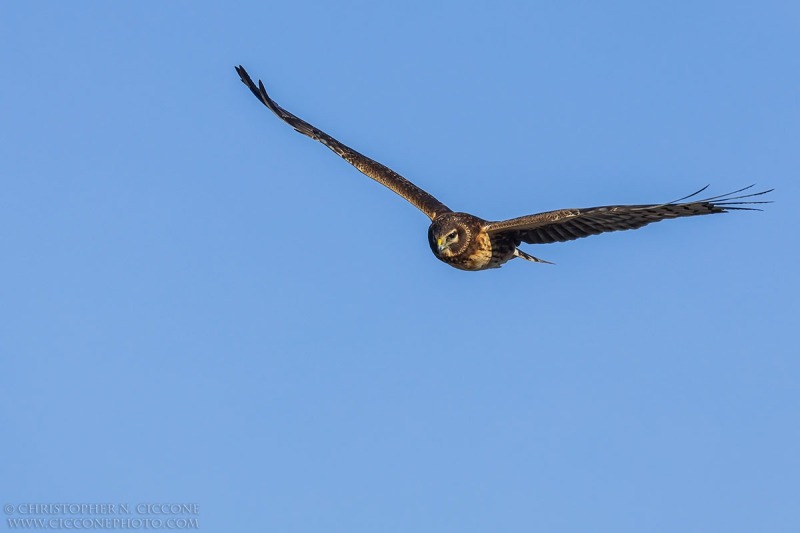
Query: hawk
468, 242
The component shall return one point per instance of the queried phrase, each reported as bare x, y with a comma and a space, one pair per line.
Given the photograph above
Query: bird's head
449, 235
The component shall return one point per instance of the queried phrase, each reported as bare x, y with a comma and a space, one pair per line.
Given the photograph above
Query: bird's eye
452, 235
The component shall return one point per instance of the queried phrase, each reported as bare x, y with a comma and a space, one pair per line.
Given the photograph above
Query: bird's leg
529, 257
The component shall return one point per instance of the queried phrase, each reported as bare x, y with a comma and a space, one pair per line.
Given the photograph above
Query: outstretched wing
380, 173
568, 224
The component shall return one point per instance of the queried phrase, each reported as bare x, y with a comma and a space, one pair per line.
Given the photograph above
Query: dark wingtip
259, 91
243, 75
731, 202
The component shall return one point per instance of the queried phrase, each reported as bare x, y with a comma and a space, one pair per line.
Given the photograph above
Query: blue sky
201, 305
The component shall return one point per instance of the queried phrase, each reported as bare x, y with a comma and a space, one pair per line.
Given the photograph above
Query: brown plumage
467, 242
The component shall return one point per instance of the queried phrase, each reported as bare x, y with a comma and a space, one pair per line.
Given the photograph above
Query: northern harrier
467, 242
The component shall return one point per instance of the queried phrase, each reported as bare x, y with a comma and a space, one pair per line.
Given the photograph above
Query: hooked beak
440, 244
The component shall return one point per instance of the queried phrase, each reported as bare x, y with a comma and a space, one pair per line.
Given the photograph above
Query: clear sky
201, 305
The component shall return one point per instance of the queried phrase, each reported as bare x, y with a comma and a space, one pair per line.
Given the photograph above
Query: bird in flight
468, 242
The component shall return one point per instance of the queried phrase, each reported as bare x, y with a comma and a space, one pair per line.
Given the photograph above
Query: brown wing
380, 173
569, 224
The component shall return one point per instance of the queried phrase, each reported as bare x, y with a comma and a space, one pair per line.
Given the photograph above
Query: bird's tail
529, 257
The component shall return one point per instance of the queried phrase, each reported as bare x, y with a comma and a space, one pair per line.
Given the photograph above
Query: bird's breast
483, 253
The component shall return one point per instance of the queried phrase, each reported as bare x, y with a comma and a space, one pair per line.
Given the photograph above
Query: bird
470, 243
